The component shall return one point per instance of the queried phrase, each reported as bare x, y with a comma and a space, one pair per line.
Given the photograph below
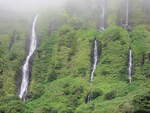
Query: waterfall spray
25, 68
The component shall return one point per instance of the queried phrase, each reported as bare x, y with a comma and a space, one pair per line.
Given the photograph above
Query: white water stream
102, 27
25, 68
95, 60
130, 66
127, 13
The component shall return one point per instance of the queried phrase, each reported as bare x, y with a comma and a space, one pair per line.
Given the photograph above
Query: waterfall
127, 13
25, 68
95, 53
102, 27
130, 66
125, 24
95, 60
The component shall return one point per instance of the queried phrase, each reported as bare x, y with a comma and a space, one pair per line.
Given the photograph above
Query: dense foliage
62, 63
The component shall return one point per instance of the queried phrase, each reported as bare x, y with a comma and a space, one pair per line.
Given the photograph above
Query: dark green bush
110, 95
97, 93
12, 105
142, 103
36, 92
46, 110
52, 76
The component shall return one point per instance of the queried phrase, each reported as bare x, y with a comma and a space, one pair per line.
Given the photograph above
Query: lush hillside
60, 79
62, 62
13, 32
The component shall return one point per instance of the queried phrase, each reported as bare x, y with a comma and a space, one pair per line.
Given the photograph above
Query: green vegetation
62, 64
60, 78
12, 44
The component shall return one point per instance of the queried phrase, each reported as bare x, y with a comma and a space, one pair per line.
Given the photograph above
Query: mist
90, 10
29, 5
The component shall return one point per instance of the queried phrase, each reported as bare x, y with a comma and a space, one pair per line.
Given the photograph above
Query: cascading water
130, 66
130, 50
95, 60
25, 68
127, 13
102, 27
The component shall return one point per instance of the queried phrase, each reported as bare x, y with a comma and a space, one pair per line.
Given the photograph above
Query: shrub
97, 93
142, 103
36, 91
46, 110
12, 105
126, 108
110, 95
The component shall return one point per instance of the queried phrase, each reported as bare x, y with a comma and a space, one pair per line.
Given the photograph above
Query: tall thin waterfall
95, 60
25, 68
95, 53
102, 27
130, 66
127, 14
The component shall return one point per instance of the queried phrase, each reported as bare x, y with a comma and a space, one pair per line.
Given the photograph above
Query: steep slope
12, 38
60, 73
60, 79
